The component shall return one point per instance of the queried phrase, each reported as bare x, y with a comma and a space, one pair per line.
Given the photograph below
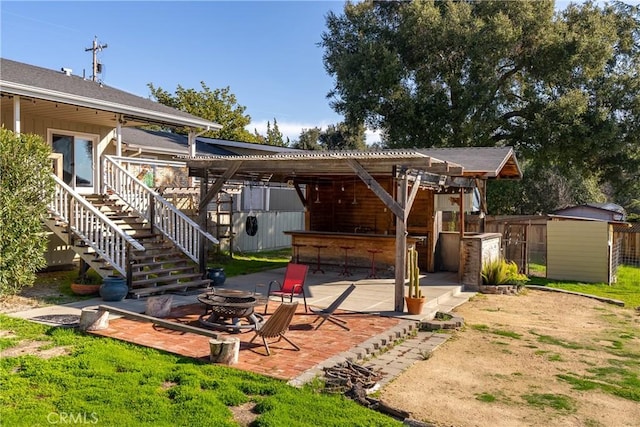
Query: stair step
137, 293
164, 270
165, 279
166, 256
161, 264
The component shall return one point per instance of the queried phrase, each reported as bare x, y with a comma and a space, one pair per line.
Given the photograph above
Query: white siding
271, 227
578, 250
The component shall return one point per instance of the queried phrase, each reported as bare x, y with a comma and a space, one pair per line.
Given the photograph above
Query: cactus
414, 274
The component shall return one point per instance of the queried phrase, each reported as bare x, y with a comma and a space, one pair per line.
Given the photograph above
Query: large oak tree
562, 87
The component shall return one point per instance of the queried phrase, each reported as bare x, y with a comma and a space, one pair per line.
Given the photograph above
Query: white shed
580, 250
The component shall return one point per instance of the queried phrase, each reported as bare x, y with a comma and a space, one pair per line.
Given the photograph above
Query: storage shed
581, 250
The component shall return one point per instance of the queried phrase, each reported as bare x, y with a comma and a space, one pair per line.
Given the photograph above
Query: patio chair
277, 325
292, 285
327, 313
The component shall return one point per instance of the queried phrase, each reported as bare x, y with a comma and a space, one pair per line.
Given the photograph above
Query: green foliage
501, 272
343, 136
97, 379
253, 262
274, 136
561, 87
218, 105
26, 187
558, 402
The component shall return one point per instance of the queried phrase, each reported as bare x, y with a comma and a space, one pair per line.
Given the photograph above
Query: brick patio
284, 363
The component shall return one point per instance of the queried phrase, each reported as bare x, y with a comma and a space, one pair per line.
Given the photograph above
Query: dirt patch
45, 292
244, 414
34, 348
503, 368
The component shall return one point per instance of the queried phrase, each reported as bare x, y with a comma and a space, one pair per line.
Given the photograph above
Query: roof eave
55, 96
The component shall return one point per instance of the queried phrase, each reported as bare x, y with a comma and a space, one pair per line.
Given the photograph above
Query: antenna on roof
97, 67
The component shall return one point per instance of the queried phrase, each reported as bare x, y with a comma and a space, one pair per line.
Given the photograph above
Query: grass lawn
626, 289
252, 262
107, 382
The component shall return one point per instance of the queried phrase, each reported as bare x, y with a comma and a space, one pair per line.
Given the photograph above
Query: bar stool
318, 247
296, 252
345, 268
373, 274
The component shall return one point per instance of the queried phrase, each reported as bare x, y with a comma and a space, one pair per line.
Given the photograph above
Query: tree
274, 136
336, 137
26, 187
562, 88
218, 105
343, 137
309, 139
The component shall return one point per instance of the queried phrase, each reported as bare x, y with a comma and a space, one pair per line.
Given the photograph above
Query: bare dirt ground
502, 368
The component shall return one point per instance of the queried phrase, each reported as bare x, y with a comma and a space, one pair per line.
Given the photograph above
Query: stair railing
185, 233
92, 226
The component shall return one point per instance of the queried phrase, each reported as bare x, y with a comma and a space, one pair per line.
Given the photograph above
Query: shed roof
37, 83
489, 162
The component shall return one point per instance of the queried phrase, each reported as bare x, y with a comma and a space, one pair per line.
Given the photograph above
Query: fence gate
514, 245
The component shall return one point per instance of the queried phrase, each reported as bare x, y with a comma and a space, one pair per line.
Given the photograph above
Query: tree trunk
92, 319
224, 350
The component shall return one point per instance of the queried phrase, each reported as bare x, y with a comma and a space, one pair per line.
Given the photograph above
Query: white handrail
185, 233
92, 226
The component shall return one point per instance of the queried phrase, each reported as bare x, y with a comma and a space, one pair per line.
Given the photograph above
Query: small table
230, 310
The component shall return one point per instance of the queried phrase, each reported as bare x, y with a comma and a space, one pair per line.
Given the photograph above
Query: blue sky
266, 52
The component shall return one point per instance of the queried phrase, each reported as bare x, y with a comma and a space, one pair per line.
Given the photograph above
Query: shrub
501, 272
25, 188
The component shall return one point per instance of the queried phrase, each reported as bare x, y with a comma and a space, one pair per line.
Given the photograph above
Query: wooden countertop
350, 235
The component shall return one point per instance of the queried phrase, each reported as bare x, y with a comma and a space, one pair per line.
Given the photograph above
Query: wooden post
224, 350
401, 243
159, 306
93, 319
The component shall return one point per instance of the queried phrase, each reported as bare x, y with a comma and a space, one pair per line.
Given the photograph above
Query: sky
265, 52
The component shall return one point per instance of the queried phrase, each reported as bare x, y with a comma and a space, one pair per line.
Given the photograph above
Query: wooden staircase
161, 267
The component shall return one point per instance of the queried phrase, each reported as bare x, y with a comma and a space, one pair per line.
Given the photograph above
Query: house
101, 212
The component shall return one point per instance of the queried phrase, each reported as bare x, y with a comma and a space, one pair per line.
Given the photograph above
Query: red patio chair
292, 285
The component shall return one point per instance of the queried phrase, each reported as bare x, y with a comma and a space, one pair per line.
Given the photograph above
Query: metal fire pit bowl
230, 310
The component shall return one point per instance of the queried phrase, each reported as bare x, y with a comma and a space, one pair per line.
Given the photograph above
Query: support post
401, 242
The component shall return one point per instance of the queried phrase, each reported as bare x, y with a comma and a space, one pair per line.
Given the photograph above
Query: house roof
162, 142
89, 100
158, 142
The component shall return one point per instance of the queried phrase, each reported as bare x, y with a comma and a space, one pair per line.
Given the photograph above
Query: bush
26, 187
500, 272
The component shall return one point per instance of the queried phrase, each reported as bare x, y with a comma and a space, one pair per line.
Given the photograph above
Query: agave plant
501, 272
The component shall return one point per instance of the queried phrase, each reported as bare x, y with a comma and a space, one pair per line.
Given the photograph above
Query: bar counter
305, 247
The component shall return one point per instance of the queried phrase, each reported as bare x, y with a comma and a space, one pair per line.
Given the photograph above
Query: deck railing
185, 233
92, 226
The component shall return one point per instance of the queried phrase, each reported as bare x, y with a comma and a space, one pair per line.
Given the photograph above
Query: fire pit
230, 310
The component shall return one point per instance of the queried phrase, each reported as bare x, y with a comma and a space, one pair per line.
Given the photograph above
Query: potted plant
86, 284
415, 299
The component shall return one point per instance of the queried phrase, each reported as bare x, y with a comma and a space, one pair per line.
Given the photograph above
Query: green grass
117, 383
558, 402
252, 262
626, 289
